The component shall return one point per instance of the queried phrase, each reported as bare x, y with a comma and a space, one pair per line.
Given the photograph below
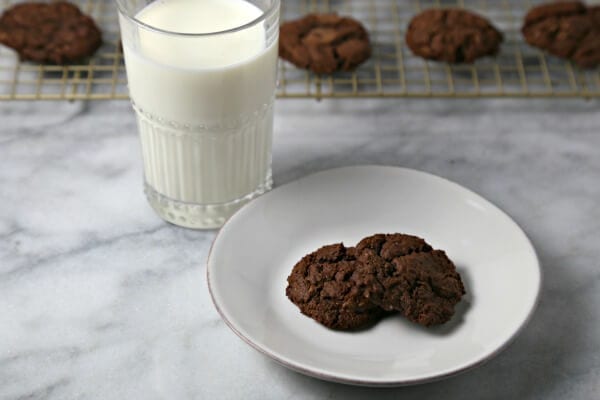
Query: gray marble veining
100, 299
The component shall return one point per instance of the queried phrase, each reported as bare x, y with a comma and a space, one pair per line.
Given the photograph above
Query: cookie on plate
452, 35
56, 33
408, 276
566, 29
327, 286
324, 43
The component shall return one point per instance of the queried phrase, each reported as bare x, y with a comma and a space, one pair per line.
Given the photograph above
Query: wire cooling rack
393, 71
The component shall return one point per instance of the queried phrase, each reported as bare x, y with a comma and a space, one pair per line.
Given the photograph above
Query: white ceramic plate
256, 249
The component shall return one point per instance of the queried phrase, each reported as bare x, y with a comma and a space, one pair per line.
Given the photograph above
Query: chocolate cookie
49, 32
406, 275
324, 43
327, 286
566, 29
452, 35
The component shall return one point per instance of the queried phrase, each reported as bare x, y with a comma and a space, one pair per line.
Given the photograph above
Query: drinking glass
202, 78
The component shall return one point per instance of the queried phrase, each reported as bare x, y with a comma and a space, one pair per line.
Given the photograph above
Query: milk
204, 105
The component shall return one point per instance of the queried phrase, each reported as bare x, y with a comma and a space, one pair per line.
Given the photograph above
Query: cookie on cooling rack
56, 33
324, 43
566, 29
452, 35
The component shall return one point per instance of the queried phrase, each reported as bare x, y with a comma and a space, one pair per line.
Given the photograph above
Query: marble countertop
100, 299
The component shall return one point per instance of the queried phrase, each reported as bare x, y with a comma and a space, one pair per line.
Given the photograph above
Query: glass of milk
202, 76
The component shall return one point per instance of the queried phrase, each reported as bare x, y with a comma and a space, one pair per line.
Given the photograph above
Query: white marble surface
99, 299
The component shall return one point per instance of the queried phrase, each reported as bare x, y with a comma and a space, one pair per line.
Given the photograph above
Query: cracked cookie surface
452, 35
324, 43
567, 30
405, 274
327, 285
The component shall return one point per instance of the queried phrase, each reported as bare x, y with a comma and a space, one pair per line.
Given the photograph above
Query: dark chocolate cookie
327, 286
452, 35
324, 43
566, 29
49, 32
406, 275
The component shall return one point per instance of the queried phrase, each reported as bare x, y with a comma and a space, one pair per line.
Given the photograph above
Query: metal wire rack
393, 71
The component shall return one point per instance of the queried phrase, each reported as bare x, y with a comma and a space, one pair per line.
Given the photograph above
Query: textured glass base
199, 216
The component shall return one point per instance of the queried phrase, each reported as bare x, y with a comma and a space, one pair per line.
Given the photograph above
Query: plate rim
332, 377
